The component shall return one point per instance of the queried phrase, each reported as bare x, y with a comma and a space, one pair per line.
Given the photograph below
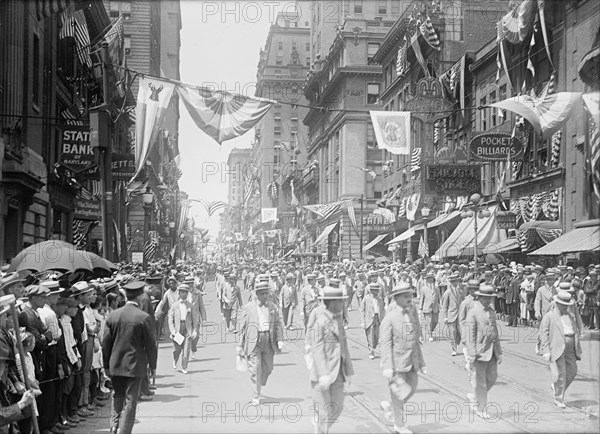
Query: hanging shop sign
452, 179
76, 152
506, 220
428, 102
87, 209
495, 147
375, 222
123, 167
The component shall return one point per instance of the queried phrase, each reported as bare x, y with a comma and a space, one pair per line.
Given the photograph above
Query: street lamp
341, 245
182, 244
147, 199
475, 211
425, 214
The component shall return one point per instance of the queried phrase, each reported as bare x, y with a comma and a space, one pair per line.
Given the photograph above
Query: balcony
311, 179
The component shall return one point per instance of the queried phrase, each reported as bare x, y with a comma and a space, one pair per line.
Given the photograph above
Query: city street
214, 397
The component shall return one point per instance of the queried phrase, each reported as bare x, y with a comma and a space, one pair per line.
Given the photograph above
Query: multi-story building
342, 86
280, 145
238, 164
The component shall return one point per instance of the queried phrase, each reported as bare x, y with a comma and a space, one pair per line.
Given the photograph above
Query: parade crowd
82, 340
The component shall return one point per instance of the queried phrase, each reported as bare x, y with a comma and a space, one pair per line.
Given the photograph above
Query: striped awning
502, 246
584, 238
374, 242
406, 234
442, 218
323, 236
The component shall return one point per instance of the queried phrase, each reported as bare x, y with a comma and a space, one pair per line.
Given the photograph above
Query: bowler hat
564, 297
401, 288
485, 291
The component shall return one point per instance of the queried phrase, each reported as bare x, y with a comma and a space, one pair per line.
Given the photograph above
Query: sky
220, 46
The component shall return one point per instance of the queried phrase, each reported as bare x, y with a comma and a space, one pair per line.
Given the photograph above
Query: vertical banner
268, 215
153, 98
392, 130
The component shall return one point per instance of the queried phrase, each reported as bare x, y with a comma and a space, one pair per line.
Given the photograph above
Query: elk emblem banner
392, 130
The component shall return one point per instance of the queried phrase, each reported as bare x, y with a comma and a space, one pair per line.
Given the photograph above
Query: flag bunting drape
75, 26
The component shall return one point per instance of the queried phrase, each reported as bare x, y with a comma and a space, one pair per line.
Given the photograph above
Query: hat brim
57, 291
402, 291
332, 297
482, 294
566, 303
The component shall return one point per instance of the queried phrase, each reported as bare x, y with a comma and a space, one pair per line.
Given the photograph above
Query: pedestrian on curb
332, 366
372, 312
451, 301
560, 345
401, 355
183, 327
128, 347
483, 348
261, 336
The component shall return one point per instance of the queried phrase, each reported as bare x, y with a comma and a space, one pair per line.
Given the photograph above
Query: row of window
294, 45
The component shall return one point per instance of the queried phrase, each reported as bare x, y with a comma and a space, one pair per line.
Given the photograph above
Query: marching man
288, 299
451, 301
371, 315
331, 366
308, 298
559, 345
483, 347
401, 355
261, 337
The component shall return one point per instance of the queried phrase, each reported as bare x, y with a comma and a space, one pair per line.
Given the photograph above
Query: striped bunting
46, 8
352, 217
592, 104
402, 64
81, 229
183, 216
73, 113
429, 33
223, 115
151, 245
415, 160
75, 26
423, 248
326, 210
214, 206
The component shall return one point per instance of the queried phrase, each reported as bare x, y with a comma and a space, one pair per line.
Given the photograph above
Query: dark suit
32, 322
128, 347
512, 300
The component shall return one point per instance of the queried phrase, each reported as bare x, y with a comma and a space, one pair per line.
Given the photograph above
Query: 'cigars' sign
495, 147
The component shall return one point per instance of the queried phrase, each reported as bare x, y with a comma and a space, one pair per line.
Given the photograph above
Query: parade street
215, 397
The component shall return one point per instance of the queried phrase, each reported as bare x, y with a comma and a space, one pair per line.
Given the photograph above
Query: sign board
452, 179
87, 209
428, 103
506, 220
76, 152
375, 222
138, 257
495, 147
123, 167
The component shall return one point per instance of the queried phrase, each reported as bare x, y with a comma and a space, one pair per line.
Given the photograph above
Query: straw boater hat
53, 286
374, 286
564, 297
473, 284
183, 287
80, 288
330, 293
334, 283
261, 286
401, 288
485, 291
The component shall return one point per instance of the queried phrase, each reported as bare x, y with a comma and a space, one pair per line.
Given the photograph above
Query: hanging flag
429, 33
546, 114
151, 245
117, 235
268, 215
412, 205
223, 115
115, 38
73, 113
75, 26
415, 160
154, 96
392, 130
81, 229
294, 202
183, 216
517, 24
214, 206
326, 210
293, 235
352, 216
402, 63
45, 8
414, 44
386, 214
423, 248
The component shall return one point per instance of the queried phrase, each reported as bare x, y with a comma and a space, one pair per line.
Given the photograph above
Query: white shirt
70, 343
263, 318
183, 309
375, 306
84, 334
48, 317
567, 325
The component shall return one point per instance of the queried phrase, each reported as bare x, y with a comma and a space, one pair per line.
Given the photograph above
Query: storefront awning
406, 234
462, 241
584, 238
502, 246
374, 242
442, 218
325, 233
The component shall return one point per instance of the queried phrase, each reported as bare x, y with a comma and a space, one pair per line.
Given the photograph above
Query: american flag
73, 113
595, 155
81, 229
75, 26
326, 210
429, 33
423, 248
151, 245
415, 160
45, 8
185, 210
294, 202
215, 206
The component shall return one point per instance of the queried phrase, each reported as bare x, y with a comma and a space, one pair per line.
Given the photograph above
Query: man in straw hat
128, 347
451, 301
308, 298
372, 311
467, 304
261, 337
331, 366
429, 304
483, 347
183, 327
401, 355
559, 345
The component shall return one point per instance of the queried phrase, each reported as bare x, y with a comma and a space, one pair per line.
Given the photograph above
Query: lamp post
341, 245
475, 211
425, 214
362, 224
182, 244
147, 199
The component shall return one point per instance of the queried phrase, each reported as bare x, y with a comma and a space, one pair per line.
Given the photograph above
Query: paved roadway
214, 397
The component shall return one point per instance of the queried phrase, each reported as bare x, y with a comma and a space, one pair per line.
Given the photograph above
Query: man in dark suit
261, 337
128, 347
513, 299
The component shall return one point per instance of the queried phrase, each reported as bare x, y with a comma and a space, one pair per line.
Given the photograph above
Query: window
294, 72
372, 48
36, 70
308, 61
294, 45
114, 13
395, 7
372, 93
358, 4
376, 195
502, 98
287, 23
454, 22
294, 130
66, 54
346, 6
280, 45
370, 136
278, 72
277, 116
308, 46
279, 60
492, 99
277, 131
127, 44
382, 8
294, 117
306, 24
483, 113
276, 144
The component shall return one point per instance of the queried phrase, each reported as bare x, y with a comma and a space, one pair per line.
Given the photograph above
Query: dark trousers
513, 313
73, 400
125, 397
48, 404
